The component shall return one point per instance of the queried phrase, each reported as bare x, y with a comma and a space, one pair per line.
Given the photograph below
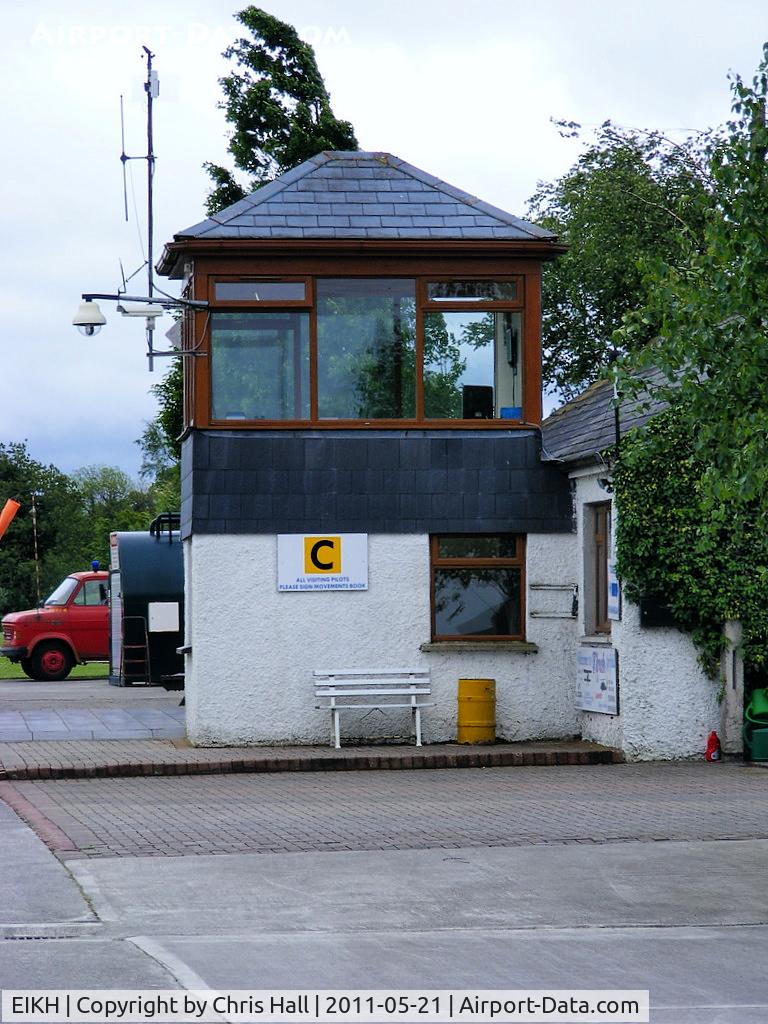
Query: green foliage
75, 516
630, 195
60, 522
712, 314
110, 501
708, 562
279, 107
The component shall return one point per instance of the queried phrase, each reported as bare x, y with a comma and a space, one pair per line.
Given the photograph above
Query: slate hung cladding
431, 425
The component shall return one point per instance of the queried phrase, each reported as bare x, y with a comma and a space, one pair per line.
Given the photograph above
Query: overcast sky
465, 91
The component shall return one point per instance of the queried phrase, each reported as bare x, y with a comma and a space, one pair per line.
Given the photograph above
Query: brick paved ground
394, 810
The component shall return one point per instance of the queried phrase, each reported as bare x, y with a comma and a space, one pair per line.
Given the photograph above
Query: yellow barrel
477, 711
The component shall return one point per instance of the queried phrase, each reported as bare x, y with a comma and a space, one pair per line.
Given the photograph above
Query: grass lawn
93, 670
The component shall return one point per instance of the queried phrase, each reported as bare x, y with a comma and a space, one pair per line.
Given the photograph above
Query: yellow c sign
322, 555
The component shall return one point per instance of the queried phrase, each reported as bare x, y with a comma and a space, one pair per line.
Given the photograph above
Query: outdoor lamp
89, 319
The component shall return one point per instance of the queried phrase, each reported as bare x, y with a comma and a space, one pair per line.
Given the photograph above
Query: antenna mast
152, 89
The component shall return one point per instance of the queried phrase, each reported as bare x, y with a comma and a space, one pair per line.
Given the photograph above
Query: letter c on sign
314, 555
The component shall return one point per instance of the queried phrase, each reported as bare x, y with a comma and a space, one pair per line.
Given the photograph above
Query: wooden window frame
208, 271
470, 305
600, 528
236, 305
437, 562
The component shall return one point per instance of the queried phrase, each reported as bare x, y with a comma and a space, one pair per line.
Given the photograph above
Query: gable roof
583, 427
366, 196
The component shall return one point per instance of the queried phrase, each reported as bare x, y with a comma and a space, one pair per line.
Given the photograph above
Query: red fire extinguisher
713, 752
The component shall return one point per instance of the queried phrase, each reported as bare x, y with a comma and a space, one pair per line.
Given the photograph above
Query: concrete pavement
686, 919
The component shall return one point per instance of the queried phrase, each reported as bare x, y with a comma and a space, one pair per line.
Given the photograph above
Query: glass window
477, 587
261, 291
92, 592
472, 291
472, 365
366, 350
63, 592
260, 366
503, 546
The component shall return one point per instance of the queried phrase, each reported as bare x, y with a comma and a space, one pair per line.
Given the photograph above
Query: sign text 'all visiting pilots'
322, 561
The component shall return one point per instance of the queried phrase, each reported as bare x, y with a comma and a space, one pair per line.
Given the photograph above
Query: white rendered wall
667, 705
249, 678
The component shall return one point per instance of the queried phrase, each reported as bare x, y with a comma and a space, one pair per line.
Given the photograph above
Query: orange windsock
6, 516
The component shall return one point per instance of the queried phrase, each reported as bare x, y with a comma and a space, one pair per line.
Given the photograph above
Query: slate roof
366, 196
583, 427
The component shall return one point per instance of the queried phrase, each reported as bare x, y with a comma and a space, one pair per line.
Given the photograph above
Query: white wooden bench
377, 689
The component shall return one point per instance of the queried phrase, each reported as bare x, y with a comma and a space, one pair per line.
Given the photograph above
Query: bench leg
417, 720
336, 741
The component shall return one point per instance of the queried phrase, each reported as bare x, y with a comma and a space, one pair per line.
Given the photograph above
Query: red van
70, 628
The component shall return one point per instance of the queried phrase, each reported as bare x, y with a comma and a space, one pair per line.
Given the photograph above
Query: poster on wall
597, 680
322, 561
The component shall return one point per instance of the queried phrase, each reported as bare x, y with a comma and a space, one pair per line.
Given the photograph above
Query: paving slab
35, 887
691, 884
77, 962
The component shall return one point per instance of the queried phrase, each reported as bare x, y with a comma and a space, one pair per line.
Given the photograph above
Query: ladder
135, 664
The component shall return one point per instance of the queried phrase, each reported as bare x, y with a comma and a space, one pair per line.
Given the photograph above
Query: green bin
756, 727
756, 711
755, 743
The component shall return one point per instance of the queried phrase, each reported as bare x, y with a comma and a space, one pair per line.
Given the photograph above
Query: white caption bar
173, 1006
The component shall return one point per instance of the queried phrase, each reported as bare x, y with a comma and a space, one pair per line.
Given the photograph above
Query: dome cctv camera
89, 319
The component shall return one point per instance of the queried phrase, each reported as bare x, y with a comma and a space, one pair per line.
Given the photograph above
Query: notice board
597, 680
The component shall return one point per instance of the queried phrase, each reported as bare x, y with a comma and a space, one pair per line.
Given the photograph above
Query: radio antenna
152, 89
123, 158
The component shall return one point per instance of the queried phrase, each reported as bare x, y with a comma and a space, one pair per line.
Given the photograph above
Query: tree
630, 195
110, 501
281, 114
710, 311
60, 526
277, 101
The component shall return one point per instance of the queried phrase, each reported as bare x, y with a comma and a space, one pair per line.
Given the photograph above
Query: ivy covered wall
708, 561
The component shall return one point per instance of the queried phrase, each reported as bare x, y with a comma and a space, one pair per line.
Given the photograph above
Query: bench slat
362, 691
371, 672
364, 707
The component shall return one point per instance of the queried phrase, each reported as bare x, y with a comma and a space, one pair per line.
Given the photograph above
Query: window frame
424, 305
235, 305
438, 562
597, 557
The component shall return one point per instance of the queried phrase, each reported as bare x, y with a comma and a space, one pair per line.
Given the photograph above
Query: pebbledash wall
265, 693
667, 704
254, 649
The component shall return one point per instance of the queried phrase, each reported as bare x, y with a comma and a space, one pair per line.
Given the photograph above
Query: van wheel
50, 662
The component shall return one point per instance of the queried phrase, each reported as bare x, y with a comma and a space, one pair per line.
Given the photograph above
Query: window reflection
366, 353
260, 366
472, 365
472, 291
477, 602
